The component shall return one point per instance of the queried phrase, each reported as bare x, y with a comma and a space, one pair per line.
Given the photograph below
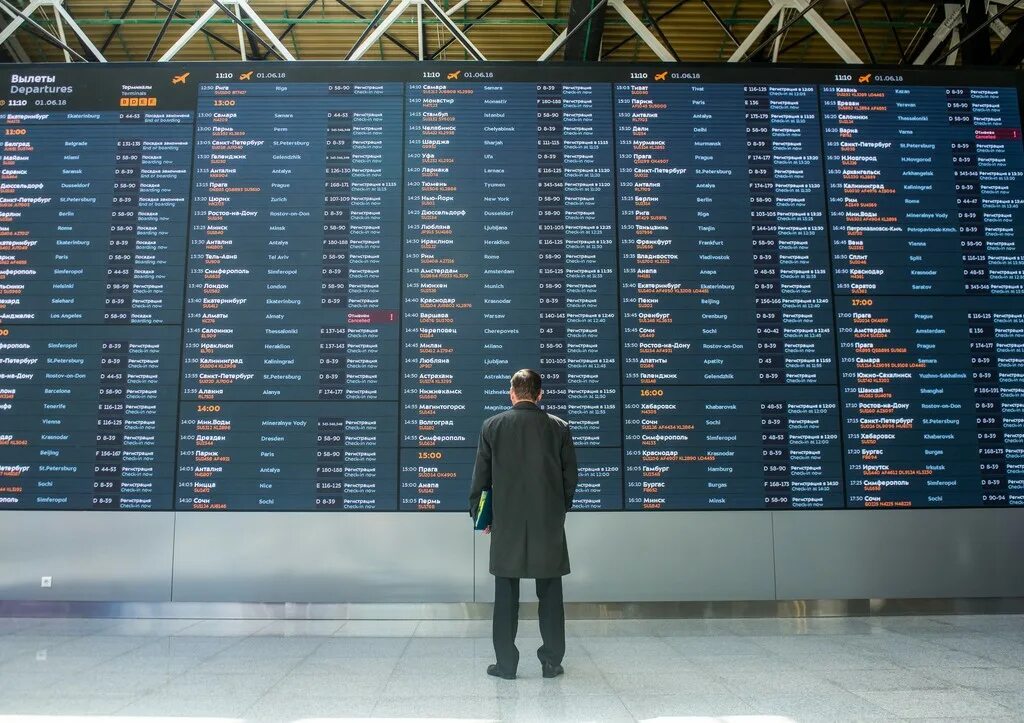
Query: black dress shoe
494, 670
551, 671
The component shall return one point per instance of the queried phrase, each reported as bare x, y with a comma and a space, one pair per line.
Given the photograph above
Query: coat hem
530, 577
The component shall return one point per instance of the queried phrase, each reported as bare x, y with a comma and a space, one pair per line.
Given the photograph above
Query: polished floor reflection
897, 668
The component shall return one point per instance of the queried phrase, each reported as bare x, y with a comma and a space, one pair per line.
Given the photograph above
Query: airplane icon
245, 76
661, 76
866, 78
180, 79
454, 75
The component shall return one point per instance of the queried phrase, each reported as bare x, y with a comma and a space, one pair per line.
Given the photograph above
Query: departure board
510, 260
304, 286
292, 302
94, 198
932, 401
725, 286
926, 199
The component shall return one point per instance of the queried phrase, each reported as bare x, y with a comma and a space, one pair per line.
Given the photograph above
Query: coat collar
525, 405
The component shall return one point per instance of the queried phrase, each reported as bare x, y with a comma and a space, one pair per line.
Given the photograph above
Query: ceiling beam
721, 23
204, 31
480, 16
588, 15
117, 28
408, 51
678, 4
24, 21
860, 32
1011, 51
163, 29
657, 28
981, 29
976, 48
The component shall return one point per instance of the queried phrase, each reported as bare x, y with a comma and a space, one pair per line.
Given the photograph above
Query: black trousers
506, 621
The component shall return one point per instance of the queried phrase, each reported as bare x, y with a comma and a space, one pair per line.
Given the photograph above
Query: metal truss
945, 32
61, 18
996, 22
377, 27
17, 51
949, 29
242, 16
779, 13
955, 31
652, 21
636, 24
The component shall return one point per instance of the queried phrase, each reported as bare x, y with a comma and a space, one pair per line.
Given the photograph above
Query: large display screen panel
94, 206
926, 204
303, 286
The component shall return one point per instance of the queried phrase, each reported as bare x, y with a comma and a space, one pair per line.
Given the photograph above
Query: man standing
527, 459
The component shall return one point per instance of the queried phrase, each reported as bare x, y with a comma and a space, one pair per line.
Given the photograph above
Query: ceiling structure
879, 31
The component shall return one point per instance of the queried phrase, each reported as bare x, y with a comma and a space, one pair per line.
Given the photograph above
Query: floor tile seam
871, 702
101, 657
997, 661
245, 673
131, 702
204, 658
139, 644
277, 683
170, 638
22, 630
238, 640
607, 682
196, 660
298, 662
950, 646
631, 650
762, 646
131, 697
926, 691
324, 640
710, 674
932, 664
391, 673
816, 658
908, 659
70, 639
990, 667
985, 692
742, 691
181, 633
309, 653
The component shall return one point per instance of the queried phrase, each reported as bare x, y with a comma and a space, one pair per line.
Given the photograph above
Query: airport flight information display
926, 203
304, 286
725, 294
94, 197
290, 366
510, 260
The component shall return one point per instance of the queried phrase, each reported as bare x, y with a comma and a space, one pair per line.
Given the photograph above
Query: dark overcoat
527, 459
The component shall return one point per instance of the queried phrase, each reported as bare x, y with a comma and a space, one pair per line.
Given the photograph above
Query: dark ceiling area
970, 32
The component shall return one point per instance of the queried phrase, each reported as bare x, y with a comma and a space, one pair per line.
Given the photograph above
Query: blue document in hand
484, 512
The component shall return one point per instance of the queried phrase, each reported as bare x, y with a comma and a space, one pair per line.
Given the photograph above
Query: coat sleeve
570, 472
481, 472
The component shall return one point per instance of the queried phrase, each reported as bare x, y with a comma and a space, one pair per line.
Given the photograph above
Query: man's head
525, 387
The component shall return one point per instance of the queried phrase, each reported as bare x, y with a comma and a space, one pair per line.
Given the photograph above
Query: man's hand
487, 530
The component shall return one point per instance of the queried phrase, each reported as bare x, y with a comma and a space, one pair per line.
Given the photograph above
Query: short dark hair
526, 384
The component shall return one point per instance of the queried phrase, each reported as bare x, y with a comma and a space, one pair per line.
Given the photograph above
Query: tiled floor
900, 668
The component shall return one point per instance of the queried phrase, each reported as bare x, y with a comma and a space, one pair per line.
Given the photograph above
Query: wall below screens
616, 556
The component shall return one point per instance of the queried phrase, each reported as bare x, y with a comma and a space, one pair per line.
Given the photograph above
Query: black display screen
925, 201
304, 286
